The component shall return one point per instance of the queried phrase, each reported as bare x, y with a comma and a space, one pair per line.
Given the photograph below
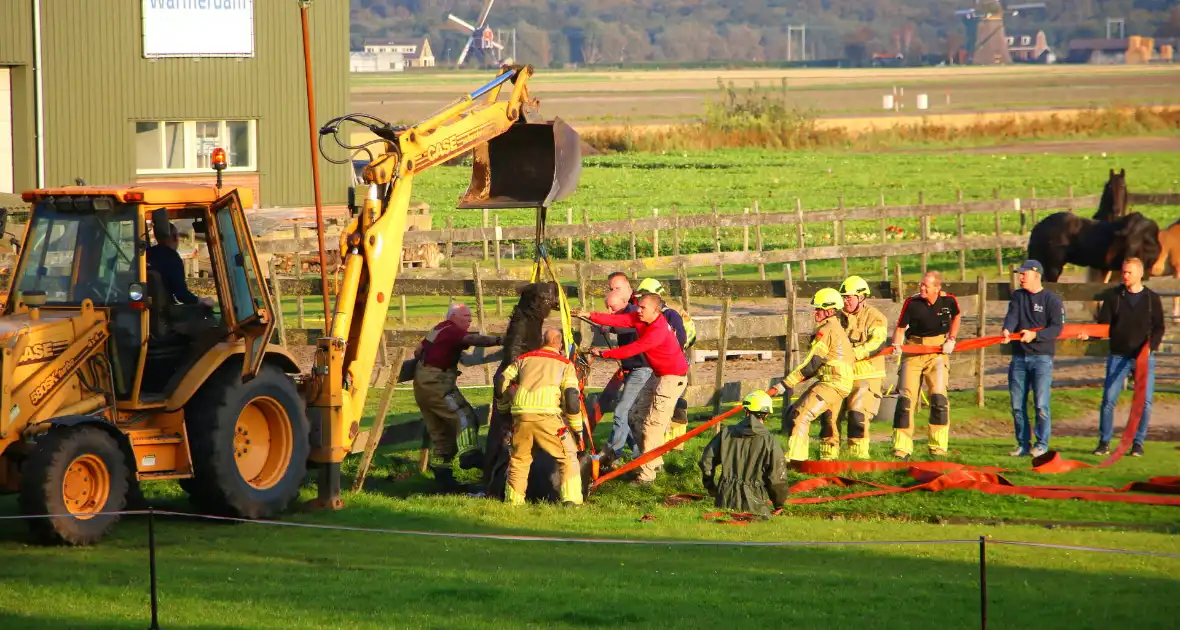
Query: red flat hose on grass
937, 475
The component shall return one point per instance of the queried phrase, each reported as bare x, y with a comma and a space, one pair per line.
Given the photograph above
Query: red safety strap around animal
937, 476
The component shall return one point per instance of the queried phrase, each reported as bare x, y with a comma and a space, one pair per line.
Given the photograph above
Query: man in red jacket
656, 403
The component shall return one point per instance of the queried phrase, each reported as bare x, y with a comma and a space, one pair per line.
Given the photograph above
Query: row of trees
612, 32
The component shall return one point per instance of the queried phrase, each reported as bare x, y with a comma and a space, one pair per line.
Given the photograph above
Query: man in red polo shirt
656, 403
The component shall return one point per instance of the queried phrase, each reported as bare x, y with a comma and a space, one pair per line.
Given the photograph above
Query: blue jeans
1035, 372
1117, 369
620, 433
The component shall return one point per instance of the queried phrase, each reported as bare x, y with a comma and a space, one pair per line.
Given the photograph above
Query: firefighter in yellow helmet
753, 471
868, 332
545, 411
930, 318
830, 361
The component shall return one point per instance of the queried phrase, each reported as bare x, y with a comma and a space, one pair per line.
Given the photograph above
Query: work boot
445, 479
1103, 449
1019, 451
901, 455
1038, 451
938, 452
1137, 450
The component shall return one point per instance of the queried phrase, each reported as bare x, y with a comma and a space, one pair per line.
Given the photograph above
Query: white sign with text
198, 28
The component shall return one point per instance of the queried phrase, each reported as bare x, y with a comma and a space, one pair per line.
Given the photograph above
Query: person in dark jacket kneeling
753, 466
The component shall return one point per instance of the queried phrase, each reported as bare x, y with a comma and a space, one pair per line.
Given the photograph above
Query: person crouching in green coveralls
753, 466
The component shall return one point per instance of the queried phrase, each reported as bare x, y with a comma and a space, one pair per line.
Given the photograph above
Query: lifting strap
541, 265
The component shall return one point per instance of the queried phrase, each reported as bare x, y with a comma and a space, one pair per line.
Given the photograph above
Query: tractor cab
113, 249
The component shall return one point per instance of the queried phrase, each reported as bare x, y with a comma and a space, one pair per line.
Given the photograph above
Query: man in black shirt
163, 259
1032, 307
1136, 319
930, 318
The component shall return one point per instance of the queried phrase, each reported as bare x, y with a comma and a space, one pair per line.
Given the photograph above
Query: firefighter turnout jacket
830, 359
868, 332
545, 382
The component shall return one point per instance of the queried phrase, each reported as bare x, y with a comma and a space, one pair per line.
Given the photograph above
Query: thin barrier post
152, 568
983, 582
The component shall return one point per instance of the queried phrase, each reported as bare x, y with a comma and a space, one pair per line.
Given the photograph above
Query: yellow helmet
651, 285
826, 299
854, 285
758, 402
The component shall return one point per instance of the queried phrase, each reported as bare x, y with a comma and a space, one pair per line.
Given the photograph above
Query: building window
1011, 40
166, 147
1025, 40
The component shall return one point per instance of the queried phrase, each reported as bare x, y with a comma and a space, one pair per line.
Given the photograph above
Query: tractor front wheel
77, 476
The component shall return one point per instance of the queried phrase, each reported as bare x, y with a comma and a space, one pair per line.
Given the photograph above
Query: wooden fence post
475, 273
405, 320
999, 233
485, 235
584, 303
924, 224
799, 237
280, 323
717, 243
758, 240
496, 233
962, 238
586, 225
981, 328
722, 349
675, 231
746, 230
884, 236
839, 239
631, 217
898, 285
569, 241
655, 233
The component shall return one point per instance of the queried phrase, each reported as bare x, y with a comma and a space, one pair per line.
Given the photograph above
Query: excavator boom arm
346, 356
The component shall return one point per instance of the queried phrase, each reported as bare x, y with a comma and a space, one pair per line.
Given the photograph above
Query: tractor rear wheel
74, 474
249, 443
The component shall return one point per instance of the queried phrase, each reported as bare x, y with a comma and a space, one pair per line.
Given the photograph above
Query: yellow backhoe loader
106, 381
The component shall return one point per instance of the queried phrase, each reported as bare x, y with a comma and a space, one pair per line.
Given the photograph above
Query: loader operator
546, 413
449, 418
830, 361
868, 332
930, 318
163, 259
753, 470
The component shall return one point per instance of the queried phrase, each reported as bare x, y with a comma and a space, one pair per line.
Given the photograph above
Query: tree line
625, 32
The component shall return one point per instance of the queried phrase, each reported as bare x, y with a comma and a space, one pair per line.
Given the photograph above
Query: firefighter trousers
932, 372
859, 409
449, 418
818, 398
549, 434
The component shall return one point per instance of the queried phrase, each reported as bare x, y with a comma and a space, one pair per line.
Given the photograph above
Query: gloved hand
777, 390
949, 346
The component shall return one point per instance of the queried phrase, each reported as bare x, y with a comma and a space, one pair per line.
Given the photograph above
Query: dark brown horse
1101, 243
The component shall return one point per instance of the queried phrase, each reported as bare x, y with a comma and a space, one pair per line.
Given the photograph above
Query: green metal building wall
16, 51
97, 84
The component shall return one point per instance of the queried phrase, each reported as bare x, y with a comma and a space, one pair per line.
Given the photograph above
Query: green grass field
216, 575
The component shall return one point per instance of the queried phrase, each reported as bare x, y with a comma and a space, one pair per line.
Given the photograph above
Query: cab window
81, 249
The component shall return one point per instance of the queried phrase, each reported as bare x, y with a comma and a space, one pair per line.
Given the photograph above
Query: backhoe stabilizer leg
328, 497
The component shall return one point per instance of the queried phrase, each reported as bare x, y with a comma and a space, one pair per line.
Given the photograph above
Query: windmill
481, 42
986, 41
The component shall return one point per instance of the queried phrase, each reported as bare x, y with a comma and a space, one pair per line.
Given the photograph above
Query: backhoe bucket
529, 166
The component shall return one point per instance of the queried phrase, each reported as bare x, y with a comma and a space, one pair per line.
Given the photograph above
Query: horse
1100, 243
1065, 238
524, 334
1169, 258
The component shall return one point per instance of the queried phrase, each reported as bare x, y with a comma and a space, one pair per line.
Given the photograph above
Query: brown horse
1169, 258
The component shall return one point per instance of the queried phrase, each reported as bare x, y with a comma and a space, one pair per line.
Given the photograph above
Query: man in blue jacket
1038, 315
